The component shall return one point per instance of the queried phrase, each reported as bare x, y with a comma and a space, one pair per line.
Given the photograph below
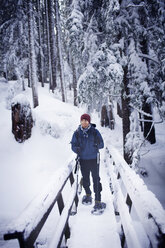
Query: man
86, 142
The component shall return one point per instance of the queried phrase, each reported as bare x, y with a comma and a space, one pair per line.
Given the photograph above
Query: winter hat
86, 117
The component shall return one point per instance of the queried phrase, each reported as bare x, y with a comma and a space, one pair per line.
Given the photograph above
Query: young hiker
86, 142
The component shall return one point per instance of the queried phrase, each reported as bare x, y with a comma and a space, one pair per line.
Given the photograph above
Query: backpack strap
96, 140
77, 134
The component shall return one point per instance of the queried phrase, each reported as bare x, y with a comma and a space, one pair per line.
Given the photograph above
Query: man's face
84, 123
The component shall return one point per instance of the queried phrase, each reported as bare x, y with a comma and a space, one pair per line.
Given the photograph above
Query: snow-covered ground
25, 169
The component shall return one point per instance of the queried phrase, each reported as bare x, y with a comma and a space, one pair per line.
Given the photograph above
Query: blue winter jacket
87, 146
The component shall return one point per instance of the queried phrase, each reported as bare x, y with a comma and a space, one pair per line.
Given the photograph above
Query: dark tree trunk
59, 49
125, 113
49, 73
104, 117
141, 123
52, 41
74, 83
44, 42
149, 129
40, 56
111, 118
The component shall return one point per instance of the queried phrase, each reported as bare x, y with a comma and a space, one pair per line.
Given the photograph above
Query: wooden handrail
28, 226
131, 192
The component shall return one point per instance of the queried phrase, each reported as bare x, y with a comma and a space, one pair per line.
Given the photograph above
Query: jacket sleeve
100, 141
74, 144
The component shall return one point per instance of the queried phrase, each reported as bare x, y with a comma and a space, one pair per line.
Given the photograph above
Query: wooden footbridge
134, 217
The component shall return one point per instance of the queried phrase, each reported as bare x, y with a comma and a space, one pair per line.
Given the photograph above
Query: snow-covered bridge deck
88, 230
140, 223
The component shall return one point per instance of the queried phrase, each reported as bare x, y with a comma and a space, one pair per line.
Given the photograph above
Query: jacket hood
93, 125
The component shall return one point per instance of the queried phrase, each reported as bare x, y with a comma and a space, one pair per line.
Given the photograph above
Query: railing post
71, 177
60, 204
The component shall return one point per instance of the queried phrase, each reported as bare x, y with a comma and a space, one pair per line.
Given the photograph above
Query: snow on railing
141, 214
28, 226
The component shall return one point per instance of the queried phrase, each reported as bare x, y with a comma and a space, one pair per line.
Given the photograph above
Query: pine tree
75, 28
41, 65
101, 79
14, 46
59, 49
52, 40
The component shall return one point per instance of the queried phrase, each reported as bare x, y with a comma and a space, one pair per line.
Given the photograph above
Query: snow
143, 200
27, 169
95, 231
21, 99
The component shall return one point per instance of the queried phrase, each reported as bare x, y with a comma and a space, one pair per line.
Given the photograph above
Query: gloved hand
78, 150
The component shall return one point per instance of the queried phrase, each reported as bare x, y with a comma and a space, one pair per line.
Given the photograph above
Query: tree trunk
32, 62
74, 83
48, 45
59, 51
125, 113
149, 129
44, 42
111, 118
52, 41
40, 59
104, 117
141, 123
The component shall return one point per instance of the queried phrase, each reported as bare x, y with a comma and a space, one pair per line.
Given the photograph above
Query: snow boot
98, 208
87, 200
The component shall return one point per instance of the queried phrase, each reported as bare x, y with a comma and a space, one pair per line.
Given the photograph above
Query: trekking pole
76, 172
98, 164
77, 164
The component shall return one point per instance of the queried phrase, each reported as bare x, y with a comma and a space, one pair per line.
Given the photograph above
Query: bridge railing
28, 226
141, 214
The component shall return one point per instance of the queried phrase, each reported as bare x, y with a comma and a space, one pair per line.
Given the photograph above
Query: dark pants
88, 166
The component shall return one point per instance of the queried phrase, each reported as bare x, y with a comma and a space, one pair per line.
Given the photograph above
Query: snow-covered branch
146, 114
155, 122
148, 57
141, 111
133, 5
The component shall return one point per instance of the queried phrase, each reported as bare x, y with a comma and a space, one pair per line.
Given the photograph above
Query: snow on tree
101, 79
14, 48
32, 56
52, 41
75, 42
59, 50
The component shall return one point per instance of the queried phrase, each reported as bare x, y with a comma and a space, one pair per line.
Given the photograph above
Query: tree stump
22, 121
104, 117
